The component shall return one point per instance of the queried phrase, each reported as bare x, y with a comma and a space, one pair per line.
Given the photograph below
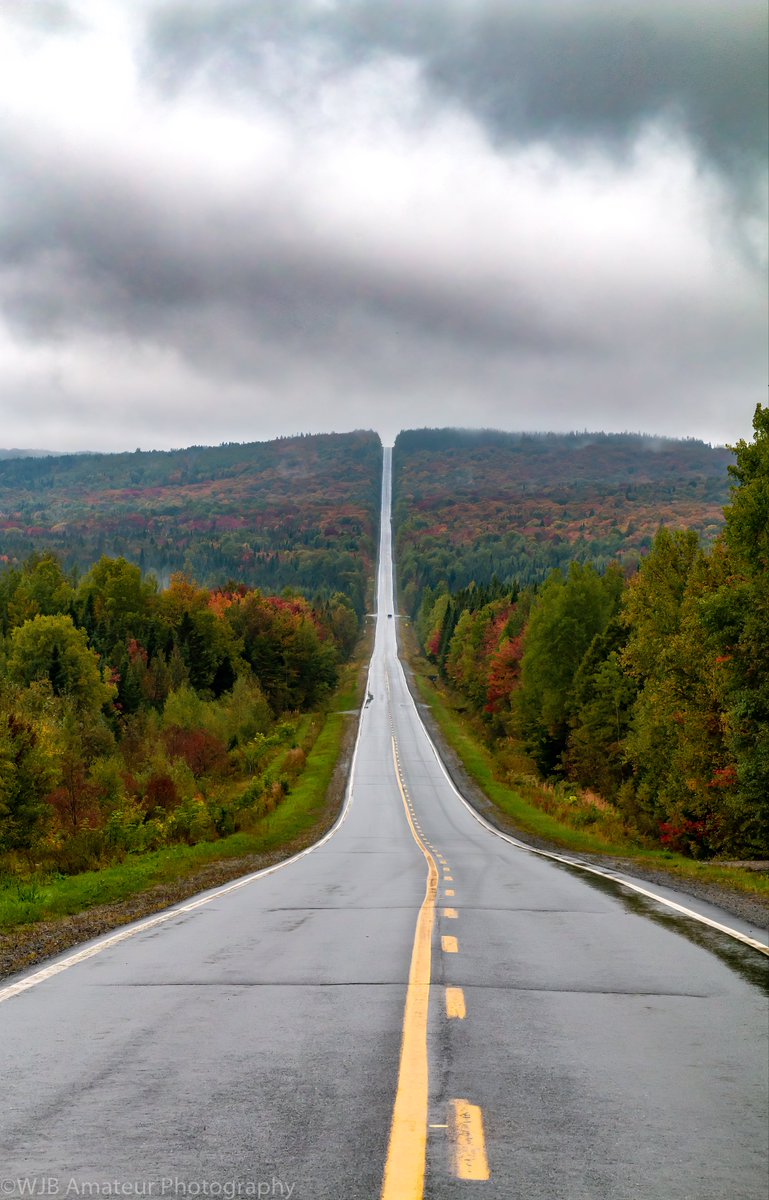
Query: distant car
389, 614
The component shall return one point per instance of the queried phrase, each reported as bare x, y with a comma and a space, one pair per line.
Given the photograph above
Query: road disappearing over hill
414, 1007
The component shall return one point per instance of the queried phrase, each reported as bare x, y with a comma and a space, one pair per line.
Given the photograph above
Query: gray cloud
550, 69
236, 220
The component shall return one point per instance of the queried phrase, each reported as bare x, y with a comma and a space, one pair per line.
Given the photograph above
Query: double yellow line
405, 1166
404, 1174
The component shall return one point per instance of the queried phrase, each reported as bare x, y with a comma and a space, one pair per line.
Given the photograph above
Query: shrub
204, 753
160, 793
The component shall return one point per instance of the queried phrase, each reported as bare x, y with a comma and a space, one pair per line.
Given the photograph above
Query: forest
469, 505
171, 627
296, 512
647, 686
172, 623
132, 718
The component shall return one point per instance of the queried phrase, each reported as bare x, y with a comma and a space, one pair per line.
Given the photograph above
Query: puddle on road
750, 964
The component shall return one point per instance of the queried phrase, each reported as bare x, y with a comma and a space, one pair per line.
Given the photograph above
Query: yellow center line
448, 892
451, 913
469, 1144
455, 1003
404, 1173
449, 945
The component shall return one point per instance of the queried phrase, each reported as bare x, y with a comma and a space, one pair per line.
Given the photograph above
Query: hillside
471, 504
641, 697
298, 512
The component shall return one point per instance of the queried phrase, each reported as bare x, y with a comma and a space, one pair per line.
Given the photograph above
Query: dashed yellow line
468, 1141
405, 1165
451, 913
449, 945
448, 892
455, 1003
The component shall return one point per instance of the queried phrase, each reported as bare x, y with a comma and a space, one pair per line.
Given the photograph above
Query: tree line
650, 690
130, 716
469, 505
295, 512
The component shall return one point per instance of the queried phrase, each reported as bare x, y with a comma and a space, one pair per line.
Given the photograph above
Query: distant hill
16, 453
298, 512
469, 504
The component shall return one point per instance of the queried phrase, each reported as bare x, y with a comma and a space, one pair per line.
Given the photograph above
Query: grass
527, 805
293, 821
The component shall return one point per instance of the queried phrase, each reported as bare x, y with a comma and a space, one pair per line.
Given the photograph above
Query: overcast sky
225, 220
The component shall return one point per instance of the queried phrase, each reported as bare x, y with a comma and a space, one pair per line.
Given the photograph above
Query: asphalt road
414, 994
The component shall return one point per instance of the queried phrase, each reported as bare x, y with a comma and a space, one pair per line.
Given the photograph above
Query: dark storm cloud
554, 69
99, 249
224, 220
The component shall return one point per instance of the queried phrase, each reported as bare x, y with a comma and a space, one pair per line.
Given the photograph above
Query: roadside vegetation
155, 716
619, 710
143, 731
302, 811
558, 813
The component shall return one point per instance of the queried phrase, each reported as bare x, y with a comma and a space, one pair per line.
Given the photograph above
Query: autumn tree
566, 616
115, 603
27, 774
675, 745
737, 613
40, 587
52, 650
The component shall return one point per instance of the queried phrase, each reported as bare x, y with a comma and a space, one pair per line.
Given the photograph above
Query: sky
231, 220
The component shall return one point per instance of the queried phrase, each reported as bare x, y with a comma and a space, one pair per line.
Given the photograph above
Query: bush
161, 792
81, 851
203, 752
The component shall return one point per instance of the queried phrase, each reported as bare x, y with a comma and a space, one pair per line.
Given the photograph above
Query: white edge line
114, 939
762, 947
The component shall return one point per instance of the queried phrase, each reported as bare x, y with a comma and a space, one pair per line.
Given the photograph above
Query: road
414, 1007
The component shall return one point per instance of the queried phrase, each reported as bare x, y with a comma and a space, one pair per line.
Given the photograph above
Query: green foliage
132, 714
652, 694
736, 614
675, 744
27, 773
126, 722
603, 696
567, 614
40, 588
52, 650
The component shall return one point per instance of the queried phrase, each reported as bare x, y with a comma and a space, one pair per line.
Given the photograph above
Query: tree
27, 773
565, 617
676, 747
604, 695
737, 613
115, 603
51, 649
40, 588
